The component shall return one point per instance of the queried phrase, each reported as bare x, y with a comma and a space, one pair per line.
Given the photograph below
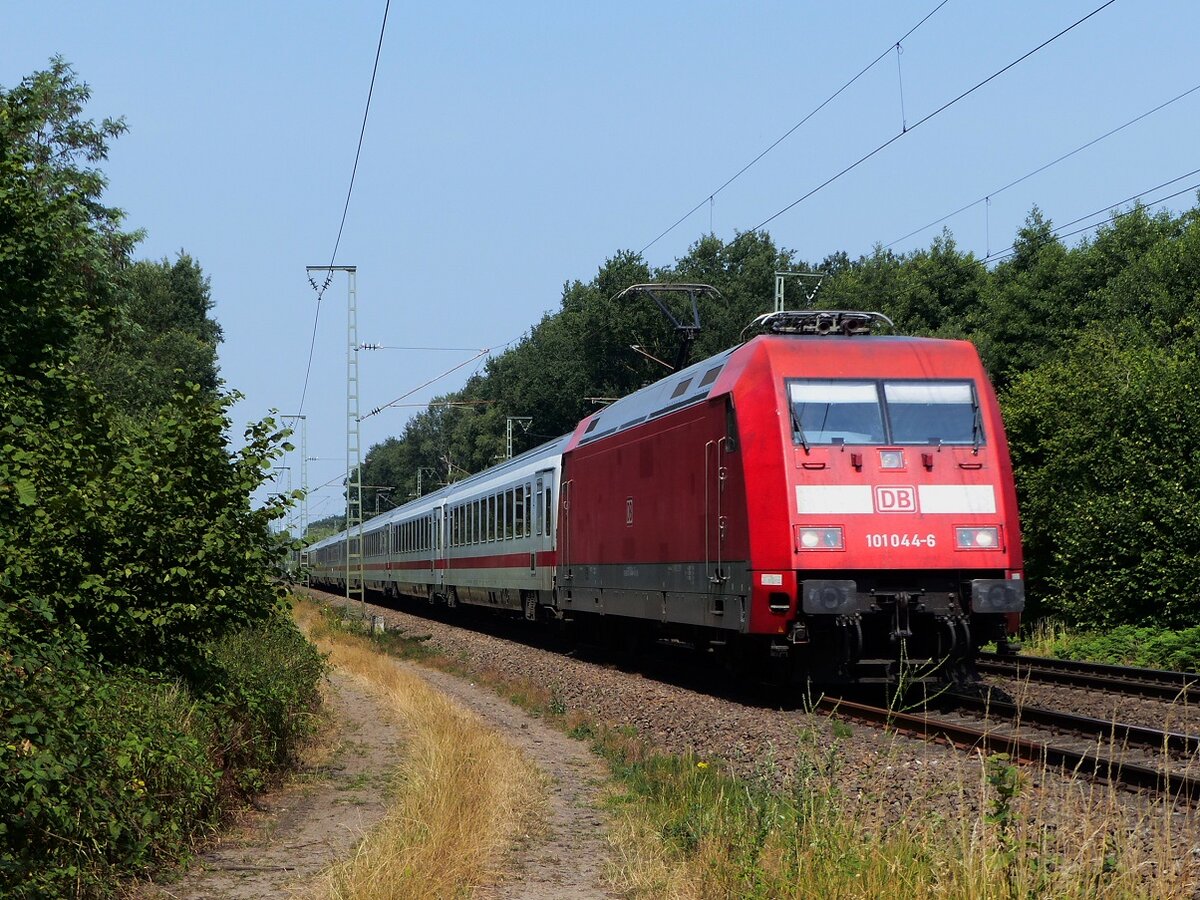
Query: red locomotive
835, 504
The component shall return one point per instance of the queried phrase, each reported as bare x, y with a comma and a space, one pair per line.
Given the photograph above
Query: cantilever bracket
660, 293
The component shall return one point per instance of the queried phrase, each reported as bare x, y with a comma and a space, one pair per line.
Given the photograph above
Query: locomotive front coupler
901, 624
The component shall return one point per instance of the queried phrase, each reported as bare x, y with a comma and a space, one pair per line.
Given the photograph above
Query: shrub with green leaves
101, 774
109, 774
146, 671
262, 687
1103, 444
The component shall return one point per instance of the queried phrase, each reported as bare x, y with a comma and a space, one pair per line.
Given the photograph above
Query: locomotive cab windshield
888, 413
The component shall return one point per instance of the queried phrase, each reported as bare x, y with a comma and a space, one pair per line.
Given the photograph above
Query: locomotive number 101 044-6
880, 541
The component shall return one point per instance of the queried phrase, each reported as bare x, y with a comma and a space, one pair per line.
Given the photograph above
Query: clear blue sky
512, 147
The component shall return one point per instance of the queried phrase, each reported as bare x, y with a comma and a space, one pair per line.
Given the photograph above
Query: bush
1103, 441
263, 689
109, 774
103, 774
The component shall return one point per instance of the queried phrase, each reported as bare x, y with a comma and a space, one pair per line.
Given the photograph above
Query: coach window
510, 514
549, 509
491, 517
522, 501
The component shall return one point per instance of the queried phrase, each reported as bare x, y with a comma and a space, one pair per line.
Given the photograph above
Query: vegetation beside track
684, 827
1125, 645
149, 674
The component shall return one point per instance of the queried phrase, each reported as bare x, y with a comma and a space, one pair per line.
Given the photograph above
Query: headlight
977, 538
819, 538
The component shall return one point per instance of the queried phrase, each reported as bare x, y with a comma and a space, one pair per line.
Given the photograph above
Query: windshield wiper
798, 429
976, 424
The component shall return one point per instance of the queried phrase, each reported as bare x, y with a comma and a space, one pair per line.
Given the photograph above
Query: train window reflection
827, 411
932, 412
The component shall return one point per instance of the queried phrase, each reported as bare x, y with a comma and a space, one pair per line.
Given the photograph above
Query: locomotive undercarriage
889, 627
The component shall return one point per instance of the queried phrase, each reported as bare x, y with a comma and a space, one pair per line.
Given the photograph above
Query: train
822, 503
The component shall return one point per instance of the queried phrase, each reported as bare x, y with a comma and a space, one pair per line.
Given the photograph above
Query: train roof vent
819, 321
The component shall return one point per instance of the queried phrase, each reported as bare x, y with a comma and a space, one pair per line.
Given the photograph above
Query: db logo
895, 499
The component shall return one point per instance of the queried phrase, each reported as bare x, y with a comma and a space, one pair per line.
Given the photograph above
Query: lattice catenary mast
354, 531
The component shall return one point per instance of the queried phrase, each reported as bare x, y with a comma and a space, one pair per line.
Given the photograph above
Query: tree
132, 536
59, 245
161, 339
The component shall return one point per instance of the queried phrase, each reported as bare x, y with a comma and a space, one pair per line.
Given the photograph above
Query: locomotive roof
680, 389
697, 382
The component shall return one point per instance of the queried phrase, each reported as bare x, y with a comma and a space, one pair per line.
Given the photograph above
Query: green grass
1127, 645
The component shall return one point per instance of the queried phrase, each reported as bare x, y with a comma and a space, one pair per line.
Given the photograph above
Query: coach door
542, 517
437, 546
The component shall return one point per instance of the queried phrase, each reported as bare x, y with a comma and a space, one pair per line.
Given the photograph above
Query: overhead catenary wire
941, 109
711, 195
429, 349
1107, 210
1044, 167
436, 378
345, 207
478, 356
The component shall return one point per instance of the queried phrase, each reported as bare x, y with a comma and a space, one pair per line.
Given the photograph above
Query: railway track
1154, 683
1131, 755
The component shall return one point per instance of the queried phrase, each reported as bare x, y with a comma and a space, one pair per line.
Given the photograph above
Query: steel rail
987, 741
1157, 683
1119, 733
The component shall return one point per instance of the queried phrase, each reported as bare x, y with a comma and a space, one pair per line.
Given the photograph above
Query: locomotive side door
715, 524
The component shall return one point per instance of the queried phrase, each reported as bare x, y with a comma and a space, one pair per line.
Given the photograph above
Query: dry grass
462, 797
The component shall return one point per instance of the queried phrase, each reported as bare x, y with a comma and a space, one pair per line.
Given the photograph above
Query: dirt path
279, 850
300, 829
569, 861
